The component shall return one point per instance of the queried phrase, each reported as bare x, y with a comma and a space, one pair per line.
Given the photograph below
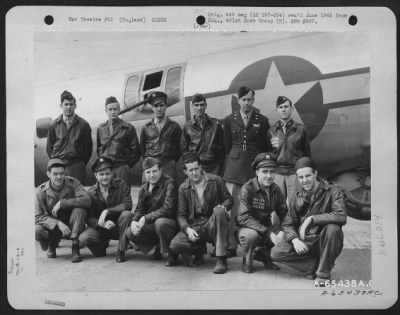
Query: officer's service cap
111, 100
55, 162
149, 162
304, 161
282, 99
155, 96
101, 163
265, 159
190, 157
198, 98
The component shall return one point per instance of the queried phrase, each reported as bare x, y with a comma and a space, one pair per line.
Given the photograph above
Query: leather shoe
247, 268
172, 259
220, 266
157, 254
120, 256
187, 260
51, 253
76, 257
198, 260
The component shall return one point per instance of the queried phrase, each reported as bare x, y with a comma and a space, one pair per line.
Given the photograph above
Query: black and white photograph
230, 164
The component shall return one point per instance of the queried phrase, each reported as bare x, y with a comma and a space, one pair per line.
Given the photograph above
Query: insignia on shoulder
268, 157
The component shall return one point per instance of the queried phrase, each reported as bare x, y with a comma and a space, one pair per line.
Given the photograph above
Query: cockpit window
131, 91
173, 85
152, 80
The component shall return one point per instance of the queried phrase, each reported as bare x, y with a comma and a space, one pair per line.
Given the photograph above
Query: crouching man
313, 225
203, 205
153, 223
60, 210
110, 213
259, 198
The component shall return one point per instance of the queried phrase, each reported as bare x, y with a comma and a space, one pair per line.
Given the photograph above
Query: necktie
245, 119
68, 122
111, 128
284, 129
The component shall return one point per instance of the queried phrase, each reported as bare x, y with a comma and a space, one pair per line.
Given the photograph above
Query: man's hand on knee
192, 234
300, 247
65, 230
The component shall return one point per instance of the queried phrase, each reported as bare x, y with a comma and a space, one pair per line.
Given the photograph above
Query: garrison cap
153, 96
55, 162
190, 157
101, 163
111, 100
304, 161
282, 99
196, 98
265, 159
150, 162
244, 90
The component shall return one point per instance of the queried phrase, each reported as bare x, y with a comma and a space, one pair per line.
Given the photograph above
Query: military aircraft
326, 75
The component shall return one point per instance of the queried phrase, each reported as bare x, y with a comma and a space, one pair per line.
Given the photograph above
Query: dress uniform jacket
243, 143
326, 206
190, 211
72, 195
118, 200
256, 206
159, 203
207, 142
122, 146
70, 144
293, 145
163, 145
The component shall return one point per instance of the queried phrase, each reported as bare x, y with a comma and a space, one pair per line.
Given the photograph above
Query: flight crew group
270, 199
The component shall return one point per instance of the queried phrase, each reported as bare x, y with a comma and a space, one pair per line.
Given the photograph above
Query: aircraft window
173, 85
152, 81
131, 90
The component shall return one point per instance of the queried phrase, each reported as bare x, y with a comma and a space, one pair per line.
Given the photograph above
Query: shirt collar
112, 186
160, 183
248, 115
162, 121
189, 184
70, 119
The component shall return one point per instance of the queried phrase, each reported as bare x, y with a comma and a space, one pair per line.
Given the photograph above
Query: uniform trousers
74, 218
76, 170
287, 183
123, 172
234, 190
249, 239
324, 249
215, 230
162, 231
96, 239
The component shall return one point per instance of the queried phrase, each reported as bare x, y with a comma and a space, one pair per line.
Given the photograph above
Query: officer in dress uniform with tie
245, 137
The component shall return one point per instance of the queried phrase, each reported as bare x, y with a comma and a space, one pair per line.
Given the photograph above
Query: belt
245, 147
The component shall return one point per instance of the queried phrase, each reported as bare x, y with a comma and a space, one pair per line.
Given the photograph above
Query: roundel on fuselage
292, 71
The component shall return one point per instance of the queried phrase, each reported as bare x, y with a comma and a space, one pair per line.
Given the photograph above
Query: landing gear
357, 187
